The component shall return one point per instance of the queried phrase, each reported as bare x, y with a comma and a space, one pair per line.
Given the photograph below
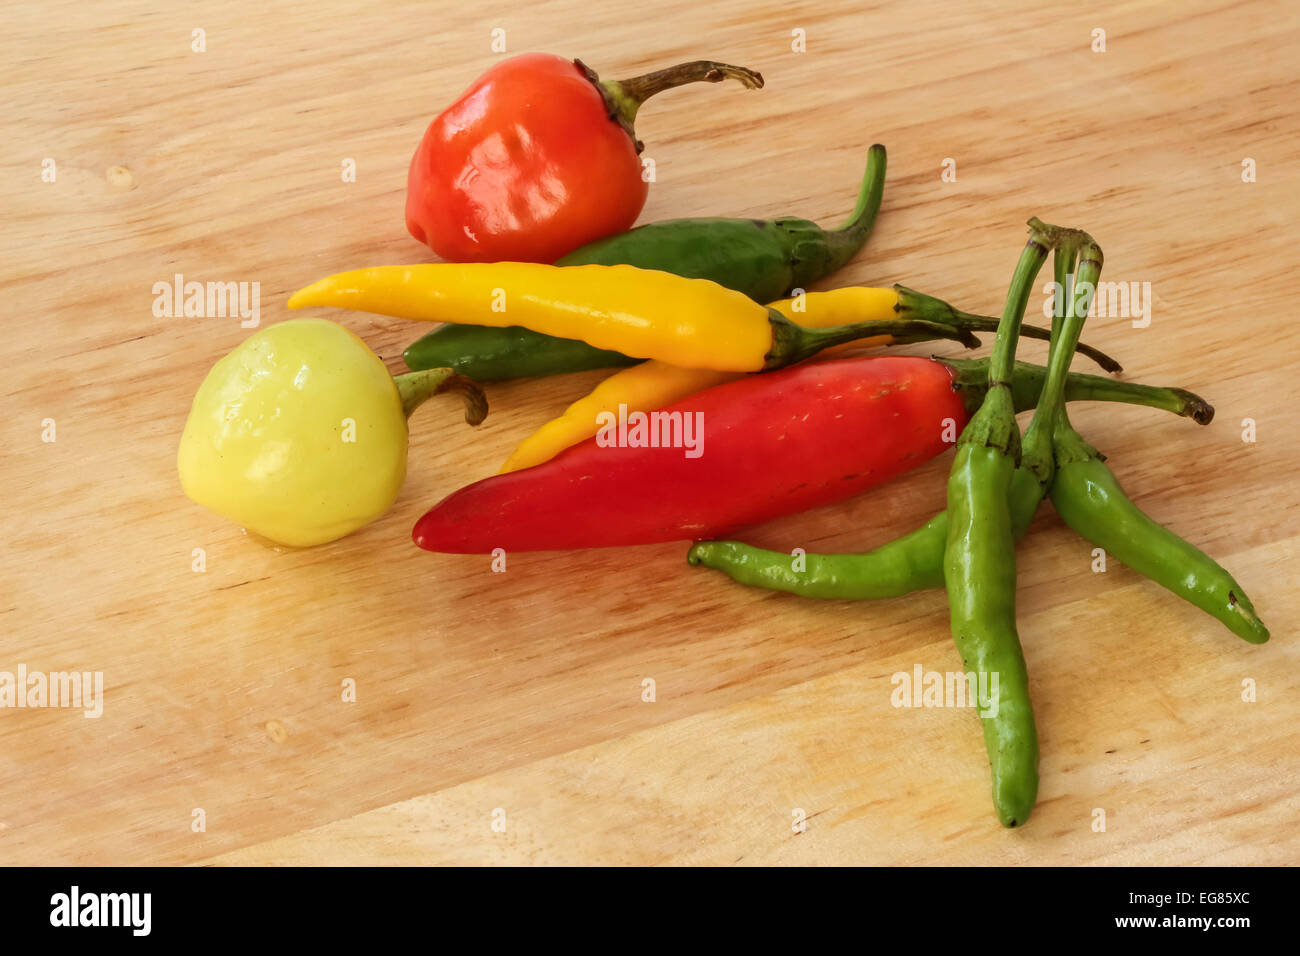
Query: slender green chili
1090, 500
980, 561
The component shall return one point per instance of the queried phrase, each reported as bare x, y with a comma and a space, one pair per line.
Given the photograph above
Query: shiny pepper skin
267, 441
525, 166
772, 445
537, 158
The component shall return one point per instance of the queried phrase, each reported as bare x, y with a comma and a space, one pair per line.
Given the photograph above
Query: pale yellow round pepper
299, 434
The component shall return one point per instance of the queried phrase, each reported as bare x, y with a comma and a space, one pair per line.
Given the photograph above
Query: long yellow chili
643, 313
653, 385
639, 312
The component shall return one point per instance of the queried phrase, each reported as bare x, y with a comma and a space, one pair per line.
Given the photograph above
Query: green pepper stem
624, 97
1041, 240
842, 244
918, 305
793, 343
1036, 454
415, 388
970, 380
1084, 251
1064, 264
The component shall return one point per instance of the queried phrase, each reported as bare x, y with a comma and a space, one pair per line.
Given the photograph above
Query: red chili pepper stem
624, 97
415, 388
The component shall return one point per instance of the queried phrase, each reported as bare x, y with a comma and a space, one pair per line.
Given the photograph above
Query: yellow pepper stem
417, 387
793, 343
918, 305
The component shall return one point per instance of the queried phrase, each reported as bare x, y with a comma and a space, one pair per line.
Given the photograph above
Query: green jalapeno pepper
763, 258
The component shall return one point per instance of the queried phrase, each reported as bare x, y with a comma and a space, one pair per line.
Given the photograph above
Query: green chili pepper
914, 561
979, 565
491, 355
764, 259
1091, 501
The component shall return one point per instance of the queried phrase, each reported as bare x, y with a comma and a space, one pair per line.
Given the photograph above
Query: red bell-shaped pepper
537, 158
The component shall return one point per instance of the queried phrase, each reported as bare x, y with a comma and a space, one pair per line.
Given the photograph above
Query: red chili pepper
537, 158
773, 444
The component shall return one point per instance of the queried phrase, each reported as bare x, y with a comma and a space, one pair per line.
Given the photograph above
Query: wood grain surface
516, 698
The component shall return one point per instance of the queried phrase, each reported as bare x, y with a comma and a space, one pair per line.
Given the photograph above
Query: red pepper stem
415, 388
624, 97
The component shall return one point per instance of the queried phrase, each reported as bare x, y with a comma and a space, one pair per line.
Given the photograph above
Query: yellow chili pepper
299, 434
692, 323
653, 385
820, 310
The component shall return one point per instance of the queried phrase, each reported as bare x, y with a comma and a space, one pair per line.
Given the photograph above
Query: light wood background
522, 692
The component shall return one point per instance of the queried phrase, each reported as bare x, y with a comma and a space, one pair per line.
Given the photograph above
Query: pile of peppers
722, 411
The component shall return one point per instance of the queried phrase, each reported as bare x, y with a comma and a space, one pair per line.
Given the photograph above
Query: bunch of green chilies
997, 480
995, 485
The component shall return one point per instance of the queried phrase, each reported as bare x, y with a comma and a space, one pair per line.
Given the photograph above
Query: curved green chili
1090, 500
763, 258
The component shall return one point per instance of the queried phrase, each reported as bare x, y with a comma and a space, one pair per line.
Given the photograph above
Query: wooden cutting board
499, 718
